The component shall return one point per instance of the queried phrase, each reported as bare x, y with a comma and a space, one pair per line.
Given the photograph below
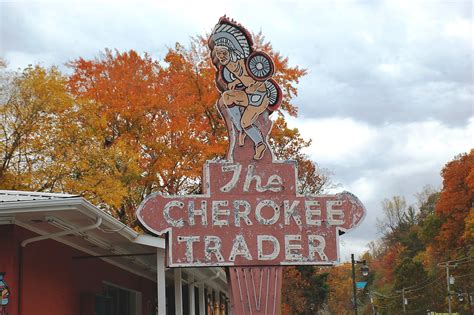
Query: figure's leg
242, 136
251, 113
257, 138
249, 117
254, 134
235, 97
236, 100
259, 151
235, 117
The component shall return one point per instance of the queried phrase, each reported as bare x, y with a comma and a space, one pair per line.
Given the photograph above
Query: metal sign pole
354, 289
255, 290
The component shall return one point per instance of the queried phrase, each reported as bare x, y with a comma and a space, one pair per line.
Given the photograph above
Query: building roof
112, 241
15, 195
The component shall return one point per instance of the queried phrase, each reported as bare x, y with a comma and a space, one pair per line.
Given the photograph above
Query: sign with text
250, 212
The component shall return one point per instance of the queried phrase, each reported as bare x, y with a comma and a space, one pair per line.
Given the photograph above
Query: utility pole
354, 289
403, 301
448, 280
449, 288
365, 272
372, 303
470, 302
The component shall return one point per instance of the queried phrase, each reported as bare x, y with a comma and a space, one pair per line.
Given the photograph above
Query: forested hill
124, 125
408, 263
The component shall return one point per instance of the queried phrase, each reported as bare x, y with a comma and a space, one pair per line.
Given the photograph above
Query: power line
424, 286
466, 275
457, 261
435, 285
386, 296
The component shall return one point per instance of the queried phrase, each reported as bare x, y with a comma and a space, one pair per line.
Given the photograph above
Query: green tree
410, 275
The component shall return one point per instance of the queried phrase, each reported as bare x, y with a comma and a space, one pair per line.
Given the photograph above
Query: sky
387, 101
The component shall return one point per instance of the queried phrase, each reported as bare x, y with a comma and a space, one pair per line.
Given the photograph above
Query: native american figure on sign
248, 93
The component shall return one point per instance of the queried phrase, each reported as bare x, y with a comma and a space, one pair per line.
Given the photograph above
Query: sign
361, 284
250, 212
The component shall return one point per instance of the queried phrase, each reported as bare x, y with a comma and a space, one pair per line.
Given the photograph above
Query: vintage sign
250, 212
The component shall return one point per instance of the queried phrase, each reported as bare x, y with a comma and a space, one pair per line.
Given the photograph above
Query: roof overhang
112, 241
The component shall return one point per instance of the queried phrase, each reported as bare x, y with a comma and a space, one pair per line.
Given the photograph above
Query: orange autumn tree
159, 113
173, 123
124, 125
49, 144
165, 113
340, 289
455, 207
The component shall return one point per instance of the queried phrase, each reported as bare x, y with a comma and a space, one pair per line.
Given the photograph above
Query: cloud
388, 98
348, 245
377, 162
459, 28
56, 32
385, 63
347, 141
379, 61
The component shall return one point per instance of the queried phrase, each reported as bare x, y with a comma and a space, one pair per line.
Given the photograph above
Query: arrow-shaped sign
251, 214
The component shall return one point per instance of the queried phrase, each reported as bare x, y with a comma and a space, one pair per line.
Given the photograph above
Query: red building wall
8, 263
55, 283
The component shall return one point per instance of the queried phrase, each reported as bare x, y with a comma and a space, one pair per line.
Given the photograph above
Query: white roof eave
79, 204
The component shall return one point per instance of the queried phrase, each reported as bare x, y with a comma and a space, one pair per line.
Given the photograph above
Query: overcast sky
387, 101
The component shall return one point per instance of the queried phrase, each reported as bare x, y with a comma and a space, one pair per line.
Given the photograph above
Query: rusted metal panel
255, 290
251, 214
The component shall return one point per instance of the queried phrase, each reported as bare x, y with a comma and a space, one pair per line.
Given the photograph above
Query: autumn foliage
124, 125
34, 118
455, 206
416, 242
163, 116
340, 289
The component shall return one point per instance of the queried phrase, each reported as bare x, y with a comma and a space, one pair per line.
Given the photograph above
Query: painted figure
244, 79
4, 294
210, 310
216, 309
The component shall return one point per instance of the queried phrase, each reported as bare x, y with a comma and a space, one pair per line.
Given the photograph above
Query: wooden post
178, 292
160, 281
191, 299
202, 300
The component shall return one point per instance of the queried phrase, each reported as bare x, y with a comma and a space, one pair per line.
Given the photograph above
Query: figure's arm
235, 67
233, 84
252, 88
